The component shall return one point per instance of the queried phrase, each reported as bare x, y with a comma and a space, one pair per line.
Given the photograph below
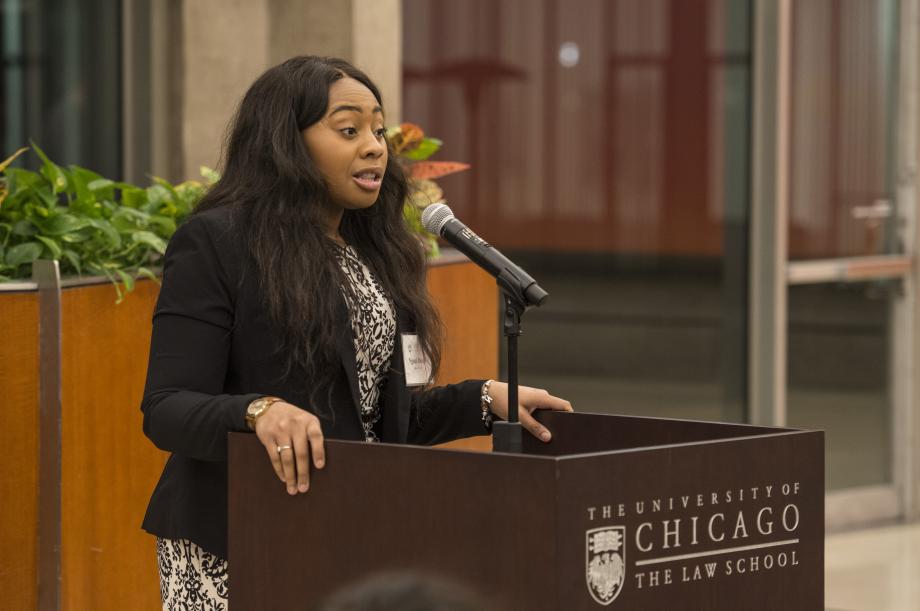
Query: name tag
415, 362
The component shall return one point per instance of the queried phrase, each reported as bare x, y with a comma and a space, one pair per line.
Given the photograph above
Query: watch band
257, 408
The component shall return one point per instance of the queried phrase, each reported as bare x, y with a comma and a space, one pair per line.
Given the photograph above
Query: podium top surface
579, 434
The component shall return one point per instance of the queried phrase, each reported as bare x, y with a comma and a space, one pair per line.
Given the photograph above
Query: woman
288, 299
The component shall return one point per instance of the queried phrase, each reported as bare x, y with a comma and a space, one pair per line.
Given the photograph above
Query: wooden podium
617, 512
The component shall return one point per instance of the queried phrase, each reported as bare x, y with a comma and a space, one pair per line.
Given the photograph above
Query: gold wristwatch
257, 408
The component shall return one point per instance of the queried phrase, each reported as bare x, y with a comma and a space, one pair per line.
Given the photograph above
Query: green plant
90, 224
413, 148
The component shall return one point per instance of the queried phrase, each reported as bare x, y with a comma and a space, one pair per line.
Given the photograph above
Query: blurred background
719, 195
615, 152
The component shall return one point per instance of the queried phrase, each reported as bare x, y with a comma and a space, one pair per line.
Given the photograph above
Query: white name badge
415, 362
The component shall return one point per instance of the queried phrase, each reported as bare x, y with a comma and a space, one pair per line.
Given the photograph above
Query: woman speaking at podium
291, 302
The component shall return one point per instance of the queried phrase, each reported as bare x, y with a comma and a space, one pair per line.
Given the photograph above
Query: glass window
839, 373
61, 85
843, 113
610, 150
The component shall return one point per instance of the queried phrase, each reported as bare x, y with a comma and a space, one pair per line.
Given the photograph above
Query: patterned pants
191, 579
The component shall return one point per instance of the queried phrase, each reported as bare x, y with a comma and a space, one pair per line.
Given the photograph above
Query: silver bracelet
485, 402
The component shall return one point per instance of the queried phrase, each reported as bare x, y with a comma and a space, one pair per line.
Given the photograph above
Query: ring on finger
283, 448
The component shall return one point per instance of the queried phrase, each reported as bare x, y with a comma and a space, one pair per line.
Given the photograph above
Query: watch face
258, 406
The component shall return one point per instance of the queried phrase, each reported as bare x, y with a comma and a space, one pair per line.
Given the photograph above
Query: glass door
846, 258
843, 252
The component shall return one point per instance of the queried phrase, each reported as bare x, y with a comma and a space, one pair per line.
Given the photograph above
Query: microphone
439, 219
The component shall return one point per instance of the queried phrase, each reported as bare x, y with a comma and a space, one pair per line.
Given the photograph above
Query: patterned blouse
373, 324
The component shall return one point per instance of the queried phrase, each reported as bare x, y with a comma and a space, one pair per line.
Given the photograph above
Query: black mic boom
440, 220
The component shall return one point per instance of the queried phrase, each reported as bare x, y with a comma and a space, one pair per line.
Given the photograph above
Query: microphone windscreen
435, 216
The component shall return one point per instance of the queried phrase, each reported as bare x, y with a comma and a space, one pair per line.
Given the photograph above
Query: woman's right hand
299, 435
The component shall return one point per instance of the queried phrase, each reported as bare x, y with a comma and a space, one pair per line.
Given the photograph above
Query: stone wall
226, 44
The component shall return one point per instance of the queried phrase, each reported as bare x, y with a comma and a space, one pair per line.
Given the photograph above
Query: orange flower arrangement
413, 148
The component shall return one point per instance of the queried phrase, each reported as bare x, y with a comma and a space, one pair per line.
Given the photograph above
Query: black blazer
214, 350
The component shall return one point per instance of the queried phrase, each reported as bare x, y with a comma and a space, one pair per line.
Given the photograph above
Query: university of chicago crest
605, 562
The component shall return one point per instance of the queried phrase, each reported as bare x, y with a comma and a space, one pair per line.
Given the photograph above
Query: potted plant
90, 224
413, 149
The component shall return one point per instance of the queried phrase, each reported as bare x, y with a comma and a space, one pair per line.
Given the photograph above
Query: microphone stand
508, 436
520, 291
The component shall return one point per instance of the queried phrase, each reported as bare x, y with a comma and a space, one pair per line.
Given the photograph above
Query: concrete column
226, 44
225, 47
367, 33
310, 27
377, 49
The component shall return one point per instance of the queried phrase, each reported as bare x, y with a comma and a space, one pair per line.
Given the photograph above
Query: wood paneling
470, 444
19, 440
467, 299
109, 467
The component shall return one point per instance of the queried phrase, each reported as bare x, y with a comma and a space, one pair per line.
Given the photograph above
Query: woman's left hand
529, 400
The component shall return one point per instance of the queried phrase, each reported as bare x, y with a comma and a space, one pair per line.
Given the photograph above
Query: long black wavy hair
269, 176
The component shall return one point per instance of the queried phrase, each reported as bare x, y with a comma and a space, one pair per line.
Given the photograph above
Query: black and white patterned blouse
373, 323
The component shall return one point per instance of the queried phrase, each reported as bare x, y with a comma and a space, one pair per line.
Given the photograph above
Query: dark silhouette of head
404, 592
